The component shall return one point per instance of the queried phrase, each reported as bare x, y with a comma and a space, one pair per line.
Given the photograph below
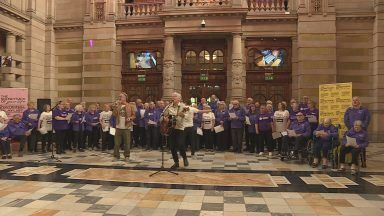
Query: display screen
270, 58
142, 60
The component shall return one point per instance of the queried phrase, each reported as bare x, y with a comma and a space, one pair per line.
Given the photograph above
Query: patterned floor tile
41, 170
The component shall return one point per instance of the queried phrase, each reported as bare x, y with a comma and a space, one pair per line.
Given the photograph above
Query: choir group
211, 125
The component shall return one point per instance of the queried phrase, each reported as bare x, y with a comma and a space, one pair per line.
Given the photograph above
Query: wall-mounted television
142, 60
270, 57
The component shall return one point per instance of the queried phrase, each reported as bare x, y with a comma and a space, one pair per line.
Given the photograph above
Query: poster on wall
334, 99
13, 100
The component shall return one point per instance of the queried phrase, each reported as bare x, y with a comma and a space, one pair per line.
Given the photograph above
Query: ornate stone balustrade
139, 9
267, 5
202, 3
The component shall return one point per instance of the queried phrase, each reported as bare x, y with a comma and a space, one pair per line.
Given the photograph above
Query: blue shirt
26, 117
264, 121
153, 115
252, 120
221, 116
331, 130
361, 137
302, 128
59, 124
239, 122
138, 120
351, 115
90, 119
77, 121
4, 132
17, 129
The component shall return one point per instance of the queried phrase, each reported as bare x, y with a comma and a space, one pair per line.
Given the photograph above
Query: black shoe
63, 152
9, 157
324, 167
175, 166
81, 150
186, 163
4, 157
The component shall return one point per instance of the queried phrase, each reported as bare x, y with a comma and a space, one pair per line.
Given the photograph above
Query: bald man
357, 112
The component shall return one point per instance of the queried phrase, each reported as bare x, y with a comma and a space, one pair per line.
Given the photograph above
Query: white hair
177, 95
358, 122
78, 107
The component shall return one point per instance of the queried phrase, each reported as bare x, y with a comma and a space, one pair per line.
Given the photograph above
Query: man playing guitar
175, 113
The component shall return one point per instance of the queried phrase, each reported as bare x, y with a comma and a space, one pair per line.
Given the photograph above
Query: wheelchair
333, 151
303, 153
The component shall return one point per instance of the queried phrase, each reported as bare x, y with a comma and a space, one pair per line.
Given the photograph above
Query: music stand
53, 157
162, 168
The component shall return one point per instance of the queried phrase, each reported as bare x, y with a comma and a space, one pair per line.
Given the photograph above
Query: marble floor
215, 183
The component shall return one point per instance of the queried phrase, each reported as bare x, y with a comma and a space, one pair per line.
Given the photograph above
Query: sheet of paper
151, 122
351, 141
43, 130
69, 116
218, 129
106, 128
112, 131
199, 131
276, 135
247, 120
291, 133
284, 133
33, 116
232, 115
142, 112
312, 119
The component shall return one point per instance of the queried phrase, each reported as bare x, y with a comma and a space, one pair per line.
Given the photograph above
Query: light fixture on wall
203, 23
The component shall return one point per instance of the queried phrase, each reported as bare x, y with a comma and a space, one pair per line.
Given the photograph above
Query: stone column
376, 130
118, 66
10, 47
295, 75
316, 47
168, 68
237, 68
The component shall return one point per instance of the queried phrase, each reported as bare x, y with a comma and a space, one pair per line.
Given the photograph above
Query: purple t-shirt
59, 124
264, 121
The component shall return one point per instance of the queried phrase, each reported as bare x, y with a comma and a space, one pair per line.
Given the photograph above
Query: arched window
190, 57
218, 60
204, 57
218, 57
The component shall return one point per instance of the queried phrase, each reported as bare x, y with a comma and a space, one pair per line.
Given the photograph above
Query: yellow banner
334, 99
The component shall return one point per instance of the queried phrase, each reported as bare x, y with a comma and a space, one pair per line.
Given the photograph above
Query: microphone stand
52, 157
165, 137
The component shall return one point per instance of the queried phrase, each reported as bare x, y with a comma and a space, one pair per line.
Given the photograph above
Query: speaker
42, 102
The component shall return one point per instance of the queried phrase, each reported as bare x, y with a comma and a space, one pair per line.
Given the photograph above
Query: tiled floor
91, 183
48, 198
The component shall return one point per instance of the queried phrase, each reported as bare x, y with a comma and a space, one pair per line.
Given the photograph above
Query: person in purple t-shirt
264, 125
357, 112
18, 132
302, 132
60, 125
360, 136
31, 119
237, 117
92, 122
252, 128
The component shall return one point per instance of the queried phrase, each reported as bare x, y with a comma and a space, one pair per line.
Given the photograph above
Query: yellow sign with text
334, 99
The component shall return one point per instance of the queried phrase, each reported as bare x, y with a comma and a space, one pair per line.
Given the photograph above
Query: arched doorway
203, 69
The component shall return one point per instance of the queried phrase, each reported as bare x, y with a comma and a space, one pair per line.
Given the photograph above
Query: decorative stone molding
316, 6
237, 63
168, 74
